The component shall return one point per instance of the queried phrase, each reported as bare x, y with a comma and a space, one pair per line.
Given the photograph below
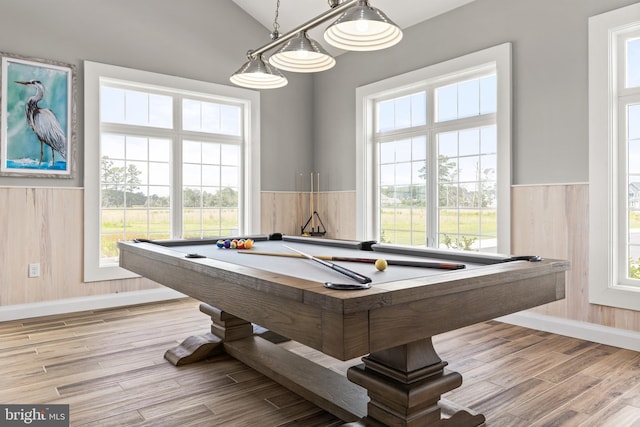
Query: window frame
93, 73
607, 177
467, 65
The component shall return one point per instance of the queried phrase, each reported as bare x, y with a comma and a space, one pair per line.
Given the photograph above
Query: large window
436, 155
174, 158
614, 157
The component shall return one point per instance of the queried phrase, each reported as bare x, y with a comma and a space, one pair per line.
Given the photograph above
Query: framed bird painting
38, 118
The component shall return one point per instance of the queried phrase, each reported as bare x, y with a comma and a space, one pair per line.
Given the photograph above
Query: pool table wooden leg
404, 385
224, 327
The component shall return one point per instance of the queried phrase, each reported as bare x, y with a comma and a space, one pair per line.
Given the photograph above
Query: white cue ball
381, 264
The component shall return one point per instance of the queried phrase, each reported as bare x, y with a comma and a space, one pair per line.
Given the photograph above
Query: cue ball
381, 264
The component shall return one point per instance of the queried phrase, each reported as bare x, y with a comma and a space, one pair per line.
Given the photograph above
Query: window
174, 158
435, 155
614, 157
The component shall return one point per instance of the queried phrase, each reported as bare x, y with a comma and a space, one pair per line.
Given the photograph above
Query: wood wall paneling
45, 225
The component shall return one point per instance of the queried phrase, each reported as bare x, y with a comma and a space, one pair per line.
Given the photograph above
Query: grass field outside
118, 225
470, 229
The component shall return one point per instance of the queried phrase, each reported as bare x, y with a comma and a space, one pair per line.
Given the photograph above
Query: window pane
125, 177
191, 152
211, 175
230, 155
469, 98
447, 103
202, 116
467, 188
191, 174
488, 140
633, 63
211, 153
230, 121
112, 146
135, 107
468, 168
159, 174
633, 184
402, 112
190, 114
633, 131
469, 142
634, 157
191, 198
111, 104
448, 144
387, 175
229, 176
488, 95
159, 150
159, 197
402, 150
419, 109
466, 99
161, 111
402, 191
136, 148
385, 119
211, 193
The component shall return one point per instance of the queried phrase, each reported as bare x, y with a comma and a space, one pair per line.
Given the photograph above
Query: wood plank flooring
108, 366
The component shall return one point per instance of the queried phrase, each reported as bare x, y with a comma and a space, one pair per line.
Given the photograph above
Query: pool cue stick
313, 220
299, 200
352, 274
317, 203
400, 262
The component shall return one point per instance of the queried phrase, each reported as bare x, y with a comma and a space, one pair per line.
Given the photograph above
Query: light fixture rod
337, 10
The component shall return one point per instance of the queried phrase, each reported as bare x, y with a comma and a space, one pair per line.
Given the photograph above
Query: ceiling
293, 13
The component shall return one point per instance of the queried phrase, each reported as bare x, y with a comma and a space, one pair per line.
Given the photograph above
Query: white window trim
365, 174
92, 73
604, 121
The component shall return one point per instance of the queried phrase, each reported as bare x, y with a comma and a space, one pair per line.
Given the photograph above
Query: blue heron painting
44, 123
37, 117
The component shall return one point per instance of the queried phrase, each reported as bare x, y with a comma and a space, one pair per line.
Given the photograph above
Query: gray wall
550, 97
199, 39
309, 125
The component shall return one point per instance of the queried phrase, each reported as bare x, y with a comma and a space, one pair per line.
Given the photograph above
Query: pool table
400, 378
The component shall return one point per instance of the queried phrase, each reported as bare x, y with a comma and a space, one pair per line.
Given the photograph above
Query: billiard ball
381, 264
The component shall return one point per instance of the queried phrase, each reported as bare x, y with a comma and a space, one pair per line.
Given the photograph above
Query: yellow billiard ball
381, 264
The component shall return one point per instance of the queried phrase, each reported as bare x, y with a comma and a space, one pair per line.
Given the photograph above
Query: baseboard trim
71, 305
622, 338
572, 328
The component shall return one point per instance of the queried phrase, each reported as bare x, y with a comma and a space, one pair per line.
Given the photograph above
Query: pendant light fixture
303, 55
258, 74
360, 27
363, 28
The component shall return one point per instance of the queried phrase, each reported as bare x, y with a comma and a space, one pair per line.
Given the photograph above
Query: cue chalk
530, 258
194, 256
349, 273
347, 286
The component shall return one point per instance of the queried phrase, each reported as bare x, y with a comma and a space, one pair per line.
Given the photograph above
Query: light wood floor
108, 366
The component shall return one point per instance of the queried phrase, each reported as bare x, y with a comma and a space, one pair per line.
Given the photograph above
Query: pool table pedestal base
224, 327
402, 385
